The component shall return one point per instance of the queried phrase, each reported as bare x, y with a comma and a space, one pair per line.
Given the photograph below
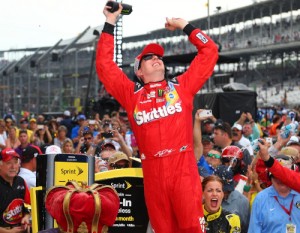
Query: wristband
247, 188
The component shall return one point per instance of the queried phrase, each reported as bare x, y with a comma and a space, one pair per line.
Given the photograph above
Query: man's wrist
108, 28
269, 162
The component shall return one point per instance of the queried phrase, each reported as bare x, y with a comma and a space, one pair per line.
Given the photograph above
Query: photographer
86, 142
250, 128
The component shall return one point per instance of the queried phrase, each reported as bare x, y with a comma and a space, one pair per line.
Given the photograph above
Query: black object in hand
127, 9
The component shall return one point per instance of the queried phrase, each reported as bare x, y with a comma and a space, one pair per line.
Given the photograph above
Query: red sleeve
27, 195
113, 78
288, 177
203, 64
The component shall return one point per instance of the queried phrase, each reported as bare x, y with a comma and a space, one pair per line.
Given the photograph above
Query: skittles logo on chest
13, 213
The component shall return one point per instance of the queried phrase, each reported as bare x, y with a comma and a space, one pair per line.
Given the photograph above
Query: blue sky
34, 23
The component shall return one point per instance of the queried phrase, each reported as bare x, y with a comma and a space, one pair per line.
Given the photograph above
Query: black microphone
127, 9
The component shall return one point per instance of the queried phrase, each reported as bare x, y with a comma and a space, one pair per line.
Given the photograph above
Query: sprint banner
133, 216
70, 168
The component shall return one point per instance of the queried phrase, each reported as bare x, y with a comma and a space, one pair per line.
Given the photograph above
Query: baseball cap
7, 154
81, 117
24, 120
107, 145
206, 138
83, 209
294, 140
226, 176
30, 152
32, 120
53, 149
152, 48
67, 113
8, 118
118, 156
237, 126
224, 126
287, 156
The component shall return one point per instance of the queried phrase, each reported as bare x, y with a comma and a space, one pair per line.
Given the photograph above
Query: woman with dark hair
42, 136
217, 219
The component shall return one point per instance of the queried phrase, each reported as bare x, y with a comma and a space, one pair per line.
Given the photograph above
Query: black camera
107, 135
127, 9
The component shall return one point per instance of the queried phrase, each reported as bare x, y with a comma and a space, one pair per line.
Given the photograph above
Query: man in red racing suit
160, 113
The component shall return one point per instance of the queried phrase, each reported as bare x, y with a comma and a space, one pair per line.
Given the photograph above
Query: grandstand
259, 46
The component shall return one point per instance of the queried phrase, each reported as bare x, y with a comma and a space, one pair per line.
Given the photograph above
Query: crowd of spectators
253, 187
230, 158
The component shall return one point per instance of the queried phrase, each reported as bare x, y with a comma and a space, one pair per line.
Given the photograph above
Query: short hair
62, 128
87, 132
225, 127
23, 131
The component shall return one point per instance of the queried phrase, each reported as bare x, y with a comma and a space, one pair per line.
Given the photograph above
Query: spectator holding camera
208, 158
246, 120
223, 139
79, 128
112, 137
86, 142
42, 136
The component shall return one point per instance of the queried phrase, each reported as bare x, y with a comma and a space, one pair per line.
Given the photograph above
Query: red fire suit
288, 177
160, 115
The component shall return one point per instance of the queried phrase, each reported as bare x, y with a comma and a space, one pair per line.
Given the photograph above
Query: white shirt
3, 138
28, 176
245, 142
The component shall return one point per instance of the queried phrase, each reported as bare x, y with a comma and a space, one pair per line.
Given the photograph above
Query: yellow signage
66, 171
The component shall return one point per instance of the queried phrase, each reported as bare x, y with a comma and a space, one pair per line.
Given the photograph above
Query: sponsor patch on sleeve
202, 38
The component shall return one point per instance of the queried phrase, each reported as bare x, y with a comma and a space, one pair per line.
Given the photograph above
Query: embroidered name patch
202, 38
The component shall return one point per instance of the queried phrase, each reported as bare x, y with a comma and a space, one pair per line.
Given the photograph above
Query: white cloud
34, 23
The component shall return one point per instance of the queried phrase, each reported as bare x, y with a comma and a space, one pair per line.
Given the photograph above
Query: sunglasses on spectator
220, 125
216, 156
104, 159
117, 166
150, 56
226, 160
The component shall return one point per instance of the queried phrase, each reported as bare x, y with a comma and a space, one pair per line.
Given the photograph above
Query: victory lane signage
70, 168
132, 216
